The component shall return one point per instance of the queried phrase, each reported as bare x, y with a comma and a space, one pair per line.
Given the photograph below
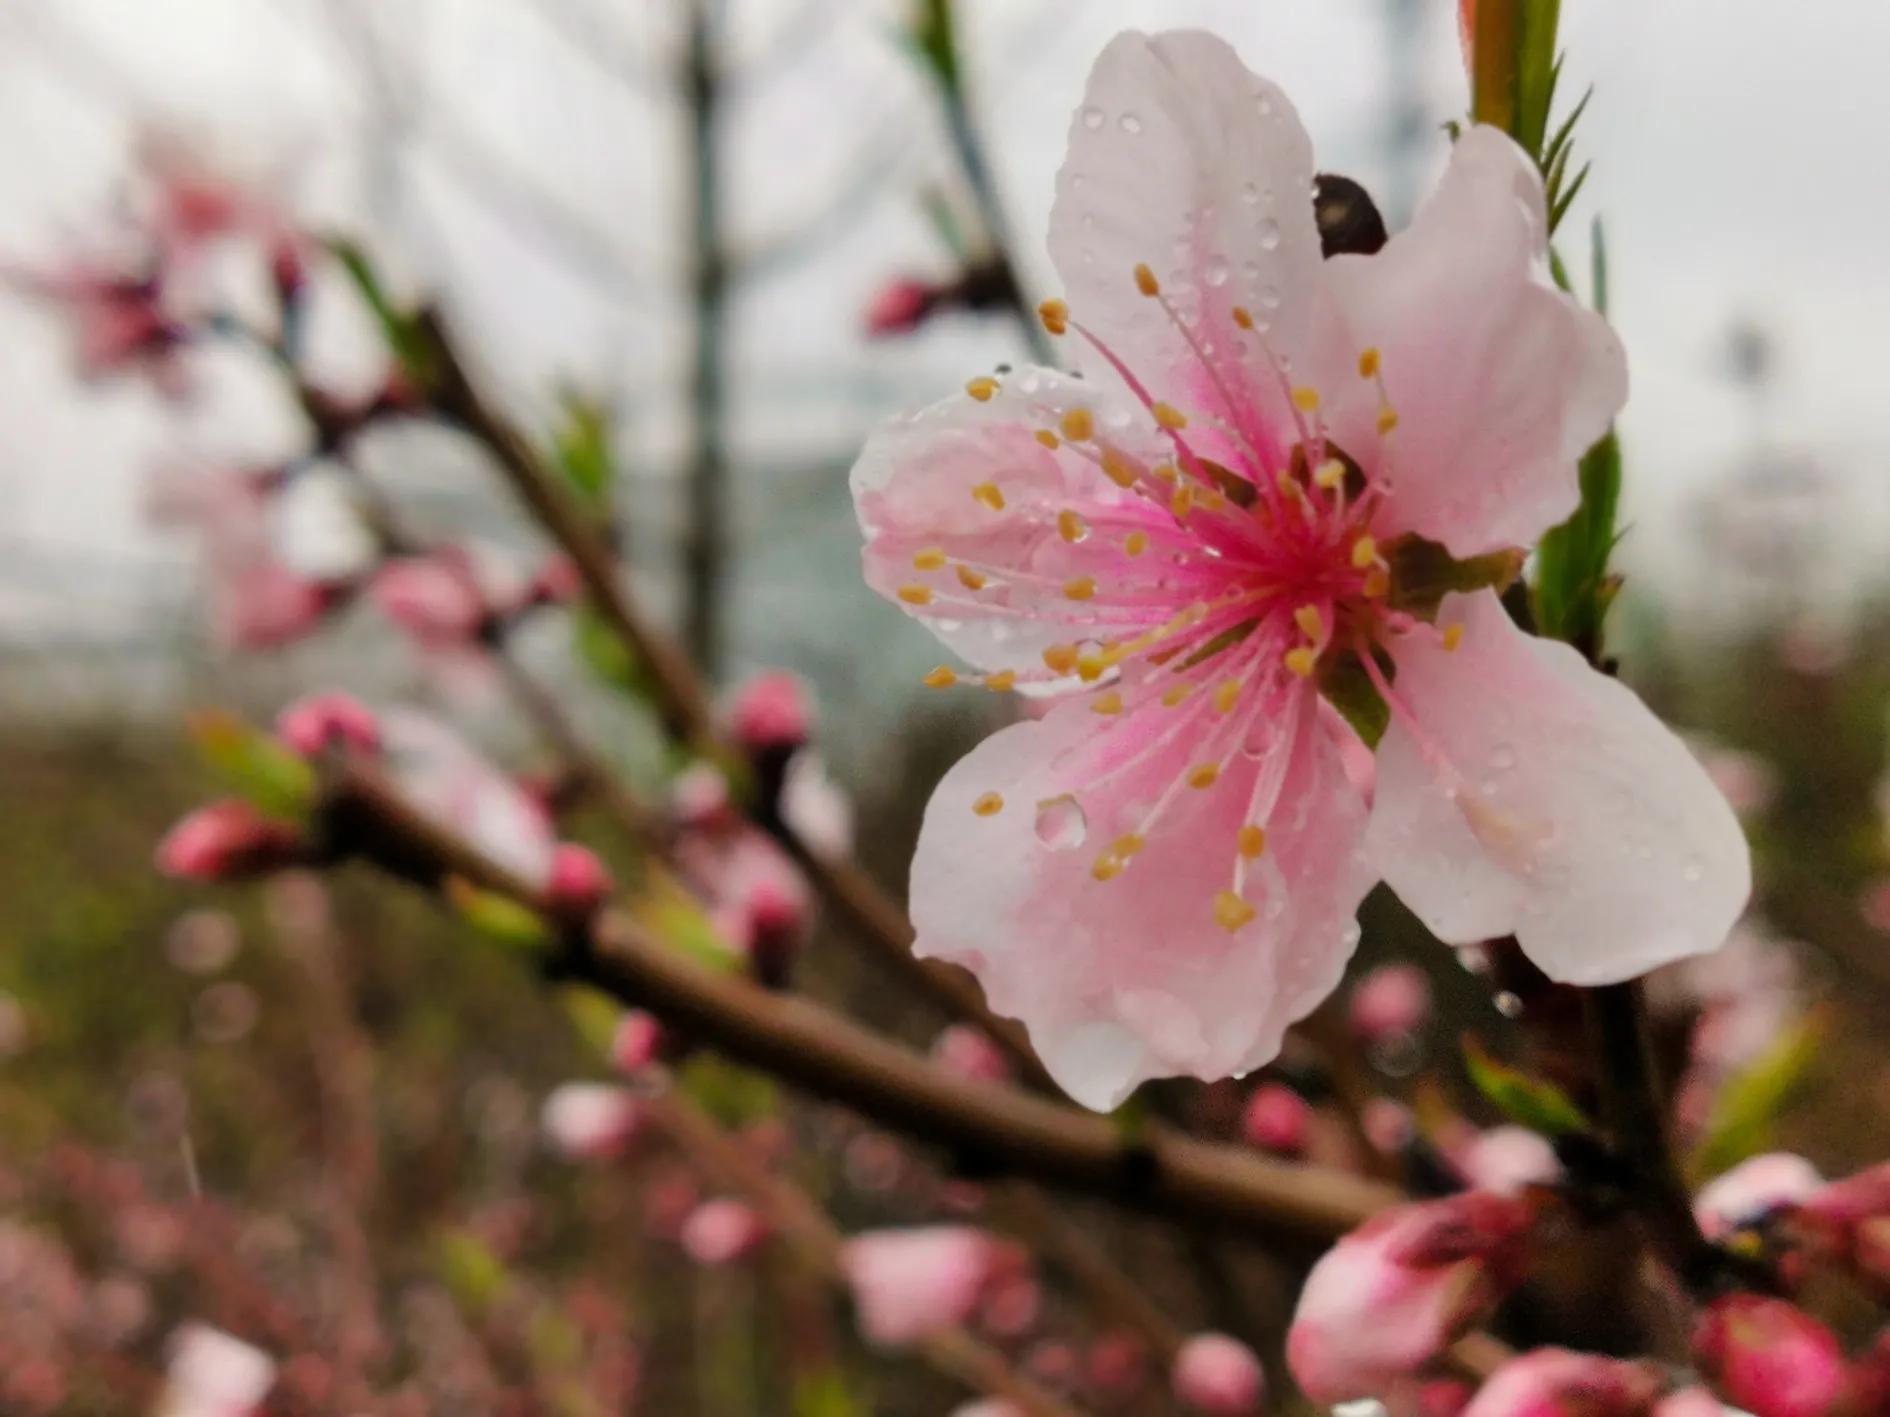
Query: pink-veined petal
1132, 978
1182, 159
1547, 801
967, 486
1500, 382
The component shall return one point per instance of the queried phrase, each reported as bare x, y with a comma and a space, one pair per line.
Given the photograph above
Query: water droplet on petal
1507, 1004
1502, 758
1269, 235
1061, 823
1130, 124
1694, 870
1092, 118
1217, 272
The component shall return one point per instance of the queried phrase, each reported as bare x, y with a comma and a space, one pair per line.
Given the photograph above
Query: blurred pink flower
1770, 1357
1395, 1292
591, 1121
771, 712
909, 1283
968, 1052
579, 882
1391, 1002
1747, 781
1275, 1119
1188, 545
720, 1232
1690, 1402
214, 1374
1506, 1160
900, 307
226, 840
442, 776
637, 1043
1116, 1364
1847, 1222
1554, 1382
1753, 1189
1218, 1375
315, 724
435, 598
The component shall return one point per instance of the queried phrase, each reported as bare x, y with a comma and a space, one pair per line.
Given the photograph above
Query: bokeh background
534, 166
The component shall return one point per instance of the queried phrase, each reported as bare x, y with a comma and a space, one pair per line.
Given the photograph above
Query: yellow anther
1107, 868
1169, 417
1135, 543
1071, 526
1049, 439
1079, 588
988, 805
1114, 654
1306, 400
1368, 364
1091, 665
1231, 912
1453, 636
1330, 474
989, 494
1164, 472
1287, 483
1060, 658
1364, 552
982, 388
1078, 425
1226, 695
1126, 845
1204, 775
1175, 695
970, 579
1301, 661
1183, 501
1001, 682
1387, 419
941, 678
916, 594
1146, 283
1311, 623
1252, 841
1212, 499
1118, 469
930, 559
1109, 703
1055, 315
1242, 318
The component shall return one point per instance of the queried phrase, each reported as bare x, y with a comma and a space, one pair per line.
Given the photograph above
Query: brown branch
995, 1128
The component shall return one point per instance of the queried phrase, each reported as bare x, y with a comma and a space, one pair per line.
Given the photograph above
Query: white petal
1545, 800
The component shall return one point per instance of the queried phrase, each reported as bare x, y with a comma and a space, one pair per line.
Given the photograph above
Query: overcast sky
1739, 148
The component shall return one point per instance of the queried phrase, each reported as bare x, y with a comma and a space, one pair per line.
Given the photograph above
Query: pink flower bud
434, 598
214, 1374
1847, 1223
1116, 1364
637, 1043
1218, 1375
1442, 1397
771, 712
1387, 1124
591, 1121
557, 582
1395, 1292
1770, 1357
1752, 1190
720, 1232
224, 841
1391, 1002
968, 1052
1507, 1160
1012, 1305
322, 721
899, 308
1275, 1119
265, 605
909, 1283
579, 883
1554, 1382
1689, 1402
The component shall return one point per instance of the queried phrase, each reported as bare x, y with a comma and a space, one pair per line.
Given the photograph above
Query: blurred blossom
1218, 1375
1116, 1364
213, 1374
589, 1121
1691, 1402
1874, 904
1052, 1362
579, 883
720, 1232
668, 1201
120, 1309
224, 841
1391, 1002
1012, 1305
435, 598
1847, 1222
1747, 781
909, 1283
443, 777
873, 1162
815, 807
312, 725
1554, 1382
966, 1051
1506, 1160
772, 712
1275, 1119
1388, 1125
699, 797
226, 1012
1770, 1357
899, 307
1398, 1290
637, 1041
988, 1407
1752, 1190
203, 941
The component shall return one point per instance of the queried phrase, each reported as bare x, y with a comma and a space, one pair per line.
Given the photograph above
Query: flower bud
637, 1043
1554, 1382
910, 1283
720, 1232
214, 1374
1507, 1160
1689, 1402
1275, 1119
1394, 1293
579, 883
1753, 1190
591, 1121
1390, 1003
968, 1052
1847, 1223
225, 841
771, 713
434, 598
1218, 1375
315, 724
1770, 1357
900, 307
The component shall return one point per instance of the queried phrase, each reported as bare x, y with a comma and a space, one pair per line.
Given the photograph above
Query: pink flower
443, 777
591, 1121
1554, 1382
720, 1232
1391, 1002
637, 1043
434, 598
770, 712
968, 1052
900, 307
1769, 1357
1752, 1190
1507, 1160
1275, 1119
579, 882
213, 1374
909, 1283
313, 725
119, 320
226, 840
1218, 1375
1219, 521
1690, 1402
1395, 1292
1848, 1222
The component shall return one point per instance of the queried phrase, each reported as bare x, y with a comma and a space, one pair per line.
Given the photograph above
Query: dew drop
1694, 871
1502, 758
1269, 235
1217, 272
1130, 124
1092, 118
1250, 194
1507, 1004
1061, 823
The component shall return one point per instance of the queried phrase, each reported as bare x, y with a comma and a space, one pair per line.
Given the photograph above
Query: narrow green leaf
1598, 268
1537, 70
1567, 199
1531, 1102
405, 338
582, 445
265, 774
497, 917
1740, 1125
934, 40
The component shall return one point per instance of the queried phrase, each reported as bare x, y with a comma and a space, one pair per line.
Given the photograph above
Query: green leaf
827, 1393
934, 39
605, 654
678, 920
265, 774
497, 917
403, 331
594, 1016
1740, 1125
1573, 589
582, 445
1536, 71
1531, 1102
735, 1096
1598, 268
1423, 573
1349, 689
472, 1273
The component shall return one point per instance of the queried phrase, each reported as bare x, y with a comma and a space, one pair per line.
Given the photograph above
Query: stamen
1079, 426
989, 494
1306, 400
1203, 775
1173, 696
982, 389
1060, 658
1055, 315
1080, 588
1453, 636
1331, 474
988, 805
1232, 911
1242, 317
1126, 845
1146, 283
1377, 583
1369, 363
1364, 553
930, 559
942, 677
970, 579
1251, 841
1001, 682
1135, 543
1107, 704
1226, 695
1301, 662
1387, 420
1071, 526
1119, 469
1169, 417
1311, 623
1049, 439
1107, 868
916, 594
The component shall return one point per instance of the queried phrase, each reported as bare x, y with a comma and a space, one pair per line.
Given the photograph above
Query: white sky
1740, 153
